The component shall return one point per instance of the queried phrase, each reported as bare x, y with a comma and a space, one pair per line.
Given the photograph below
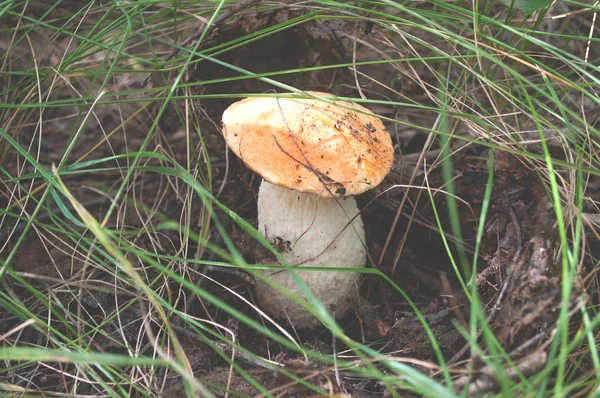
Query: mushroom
312, 155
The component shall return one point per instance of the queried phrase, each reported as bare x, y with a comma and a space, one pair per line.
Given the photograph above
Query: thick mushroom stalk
314, 155
316, 232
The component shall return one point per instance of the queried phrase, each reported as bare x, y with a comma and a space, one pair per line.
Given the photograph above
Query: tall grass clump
126, 228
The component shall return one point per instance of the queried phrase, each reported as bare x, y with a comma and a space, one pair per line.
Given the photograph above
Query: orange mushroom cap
310, 145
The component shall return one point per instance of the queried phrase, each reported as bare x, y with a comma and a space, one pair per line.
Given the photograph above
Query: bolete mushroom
312, 155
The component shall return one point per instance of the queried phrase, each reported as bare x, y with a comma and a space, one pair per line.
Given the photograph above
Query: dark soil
517, 274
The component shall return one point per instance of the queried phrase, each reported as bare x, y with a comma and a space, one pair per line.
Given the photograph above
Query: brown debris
532, 299
486, 379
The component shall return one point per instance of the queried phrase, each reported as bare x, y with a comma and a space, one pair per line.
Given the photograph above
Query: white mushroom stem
318, 233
